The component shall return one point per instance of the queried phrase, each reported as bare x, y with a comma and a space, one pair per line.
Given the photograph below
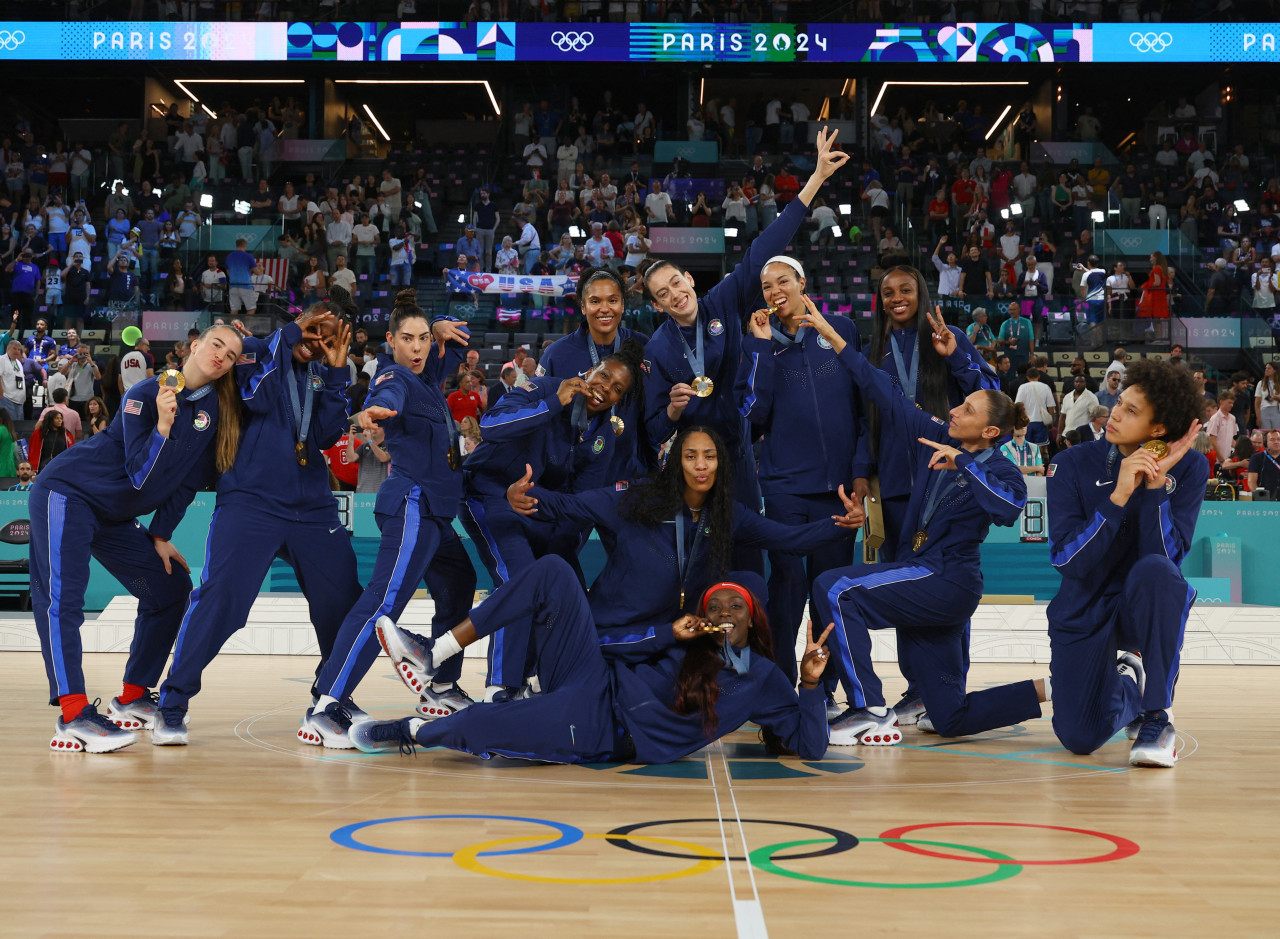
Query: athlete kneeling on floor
1121, 515
963, 484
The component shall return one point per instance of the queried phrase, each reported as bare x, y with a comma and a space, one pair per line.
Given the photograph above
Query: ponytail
405, 308
227, 441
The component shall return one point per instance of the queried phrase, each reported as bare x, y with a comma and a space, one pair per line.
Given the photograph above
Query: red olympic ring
1123, 846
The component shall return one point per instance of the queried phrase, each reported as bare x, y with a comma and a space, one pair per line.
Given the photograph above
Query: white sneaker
136, 715
865, 727
436, 704
1157, 741
89, 732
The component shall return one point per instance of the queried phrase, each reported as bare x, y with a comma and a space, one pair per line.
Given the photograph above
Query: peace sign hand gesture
815, 655
944, 340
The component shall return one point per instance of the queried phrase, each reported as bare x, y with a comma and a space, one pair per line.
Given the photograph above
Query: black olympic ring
618, 837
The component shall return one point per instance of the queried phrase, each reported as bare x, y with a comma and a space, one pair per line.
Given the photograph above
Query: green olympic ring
1006, 867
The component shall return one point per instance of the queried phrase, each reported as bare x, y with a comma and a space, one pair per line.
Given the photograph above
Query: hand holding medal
689, 626
760, 327
1166, 455
172, 378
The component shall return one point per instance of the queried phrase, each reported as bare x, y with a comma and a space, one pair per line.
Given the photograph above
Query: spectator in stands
25, 476
342, 276
485, 219
1037, 398
49, 439
40, 347
239, 277
637, 246
373, 461
507, 380
1242, 407
1017, 335
657, 204
465, 402
366, 239
598, 250
1264, 466
70, 419
24, 283
980, 333
337, 236
1222, 426
136, 365
14, 381
1120, 287
1020, 453
1266, 399
529, 245
1096, 429
1219, 299
403, 256
212, 283
9, 452
81, 372
976, 275
1077, 405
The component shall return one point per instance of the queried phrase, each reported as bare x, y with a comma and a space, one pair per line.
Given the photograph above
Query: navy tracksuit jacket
607, 694
414, 510
641, 581
269, 506
927, 594
1122, 588
568, 357
86, 504
809, 410
528, 425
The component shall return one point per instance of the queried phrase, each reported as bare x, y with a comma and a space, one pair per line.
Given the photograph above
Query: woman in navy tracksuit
808, 409
274, 502
963, 485
162, 448
601, 297
1120, 523
703, 339
672, 534
562, 430
613, 696
414, 510
902, 346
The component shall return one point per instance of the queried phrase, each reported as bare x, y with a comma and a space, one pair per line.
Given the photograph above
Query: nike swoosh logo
1104, 482
332, 530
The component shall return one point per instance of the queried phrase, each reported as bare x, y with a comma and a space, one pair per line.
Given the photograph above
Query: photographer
81, 371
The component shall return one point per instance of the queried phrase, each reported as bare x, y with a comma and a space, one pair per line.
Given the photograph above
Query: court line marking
748, 915
1010, 757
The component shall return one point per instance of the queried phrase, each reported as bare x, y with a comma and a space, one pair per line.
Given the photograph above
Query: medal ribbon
302, 411
936, 494
786, 341
905, 375
737, 659
694, 356
683, 559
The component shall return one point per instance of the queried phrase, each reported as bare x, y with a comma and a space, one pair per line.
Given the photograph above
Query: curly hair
934, 371
697, 690
657, 500
1170, 391
631, 355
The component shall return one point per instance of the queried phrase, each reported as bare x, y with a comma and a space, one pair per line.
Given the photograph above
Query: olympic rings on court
468, 859
620, 837
768, 858
762, 859
345, 836
1123, 846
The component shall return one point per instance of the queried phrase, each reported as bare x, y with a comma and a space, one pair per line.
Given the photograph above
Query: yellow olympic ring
467, 859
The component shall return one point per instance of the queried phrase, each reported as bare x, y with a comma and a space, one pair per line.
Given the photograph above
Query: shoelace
339, 713
98, 719
172, 717
1152, 727
395, 730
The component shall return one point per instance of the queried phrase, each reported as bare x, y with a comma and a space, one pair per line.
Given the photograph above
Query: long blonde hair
228, 439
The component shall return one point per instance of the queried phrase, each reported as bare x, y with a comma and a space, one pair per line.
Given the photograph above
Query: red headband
736, 588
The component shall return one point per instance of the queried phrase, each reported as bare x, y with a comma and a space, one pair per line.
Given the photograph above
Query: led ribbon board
638, 42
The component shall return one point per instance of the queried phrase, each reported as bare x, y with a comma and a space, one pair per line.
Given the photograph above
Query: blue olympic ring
345, 835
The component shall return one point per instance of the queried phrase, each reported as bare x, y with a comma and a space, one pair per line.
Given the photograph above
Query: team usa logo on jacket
597, 445
1170, 484
715, 327
201, 421
317, 383
822, 343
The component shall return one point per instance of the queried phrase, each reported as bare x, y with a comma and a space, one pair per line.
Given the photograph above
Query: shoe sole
433, 712
128, 720
1153, 762
174, 741
316, 737
368, 748
71, 743
870, 737
414, 678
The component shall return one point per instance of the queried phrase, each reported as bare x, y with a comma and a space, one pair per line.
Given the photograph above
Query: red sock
72, 705
132, 693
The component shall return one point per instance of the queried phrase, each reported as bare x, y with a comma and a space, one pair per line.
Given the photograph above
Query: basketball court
246, 832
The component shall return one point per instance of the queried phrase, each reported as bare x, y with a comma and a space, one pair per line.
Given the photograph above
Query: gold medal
172, 378
918, 541
1158, 447
703, 386
619, 425
300, 453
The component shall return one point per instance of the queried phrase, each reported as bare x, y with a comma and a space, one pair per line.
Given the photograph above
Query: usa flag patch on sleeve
1049, 471
620, 486
133, 406
382, 378
248, 358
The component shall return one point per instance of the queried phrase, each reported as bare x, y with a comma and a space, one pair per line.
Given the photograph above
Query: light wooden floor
234, 835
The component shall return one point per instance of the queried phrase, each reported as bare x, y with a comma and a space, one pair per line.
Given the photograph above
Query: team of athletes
668, 446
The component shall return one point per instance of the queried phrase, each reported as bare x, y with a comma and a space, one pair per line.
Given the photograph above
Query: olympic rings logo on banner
768, 858
11, 40
1150, 42
572, 42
